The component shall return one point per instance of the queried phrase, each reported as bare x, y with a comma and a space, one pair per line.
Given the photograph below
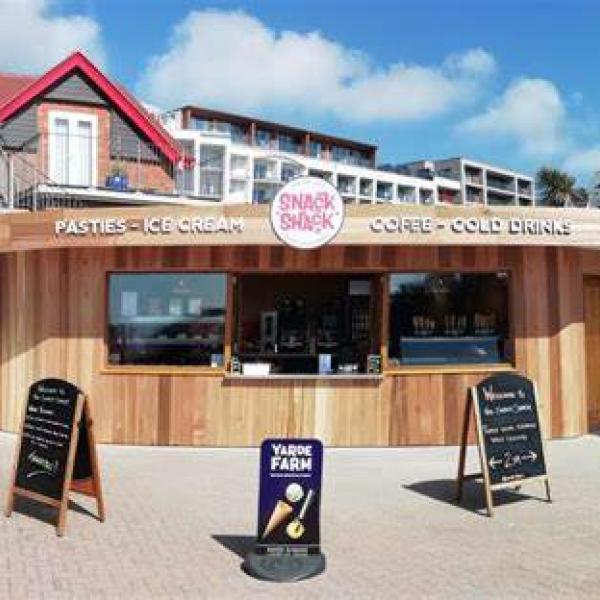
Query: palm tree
556, 187
580, 198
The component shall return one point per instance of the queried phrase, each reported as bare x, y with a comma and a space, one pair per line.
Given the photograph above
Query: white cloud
530, 112
32, 39
583, 162
475, 62
231, 60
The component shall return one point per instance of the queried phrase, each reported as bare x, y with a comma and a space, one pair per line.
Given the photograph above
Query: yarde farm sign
307, 213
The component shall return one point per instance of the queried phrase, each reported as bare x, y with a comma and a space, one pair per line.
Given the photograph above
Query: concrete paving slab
179, 520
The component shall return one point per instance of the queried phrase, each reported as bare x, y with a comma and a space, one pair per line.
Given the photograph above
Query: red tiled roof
17, 91
11, 85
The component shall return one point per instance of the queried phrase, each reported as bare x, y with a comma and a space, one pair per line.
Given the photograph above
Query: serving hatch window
449, 318
306, 324
166, 319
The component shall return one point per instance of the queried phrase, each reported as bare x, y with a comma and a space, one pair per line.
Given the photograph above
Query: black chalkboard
46, 438
510, 428
56, 453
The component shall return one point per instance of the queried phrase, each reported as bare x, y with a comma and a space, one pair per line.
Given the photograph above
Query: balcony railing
56, 170
495, 199
524, 189
346, 190
501, 184
447, 196
448, 173
21, 184
268, 140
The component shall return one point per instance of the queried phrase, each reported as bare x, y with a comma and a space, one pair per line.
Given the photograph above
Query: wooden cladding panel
52, 319
592, 338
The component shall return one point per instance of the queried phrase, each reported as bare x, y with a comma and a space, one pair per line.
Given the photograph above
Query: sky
510, 82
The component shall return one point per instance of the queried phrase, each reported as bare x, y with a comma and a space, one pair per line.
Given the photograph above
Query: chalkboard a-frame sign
509, 437
56, 451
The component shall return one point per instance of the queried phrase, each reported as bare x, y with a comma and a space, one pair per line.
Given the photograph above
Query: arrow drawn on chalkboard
41, 472
512, 460
530, 456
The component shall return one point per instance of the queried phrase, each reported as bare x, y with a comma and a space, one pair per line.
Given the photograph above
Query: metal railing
29, 179
498, 183
24, 186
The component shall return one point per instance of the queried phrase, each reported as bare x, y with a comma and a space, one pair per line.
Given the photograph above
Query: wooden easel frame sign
509, 438
56, 450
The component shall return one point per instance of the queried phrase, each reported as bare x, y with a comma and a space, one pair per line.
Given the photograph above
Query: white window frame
72, 117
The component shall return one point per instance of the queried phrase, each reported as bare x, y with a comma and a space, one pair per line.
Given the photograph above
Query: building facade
193, 320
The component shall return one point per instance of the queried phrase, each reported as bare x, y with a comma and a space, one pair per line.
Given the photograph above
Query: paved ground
178, 518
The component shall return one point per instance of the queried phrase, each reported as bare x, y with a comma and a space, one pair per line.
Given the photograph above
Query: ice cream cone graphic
280, 513
295, 529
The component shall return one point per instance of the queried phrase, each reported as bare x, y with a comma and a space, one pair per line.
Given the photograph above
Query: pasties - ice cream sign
307, 213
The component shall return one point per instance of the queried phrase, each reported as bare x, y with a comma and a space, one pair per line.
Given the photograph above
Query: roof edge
77, 60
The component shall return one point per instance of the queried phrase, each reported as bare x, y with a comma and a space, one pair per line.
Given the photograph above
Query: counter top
309, 376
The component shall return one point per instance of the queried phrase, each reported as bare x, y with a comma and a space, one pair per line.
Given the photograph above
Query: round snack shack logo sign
307, 213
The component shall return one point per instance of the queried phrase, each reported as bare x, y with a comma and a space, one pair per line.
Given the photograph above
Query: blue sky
509, 82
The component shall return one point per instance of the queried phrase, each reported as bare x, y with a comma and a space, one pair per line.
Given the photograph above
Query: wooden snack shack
201, 326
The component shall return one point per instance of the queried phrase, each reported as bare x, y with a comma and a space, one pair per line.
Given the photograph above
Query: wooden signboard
56, 452
509, 438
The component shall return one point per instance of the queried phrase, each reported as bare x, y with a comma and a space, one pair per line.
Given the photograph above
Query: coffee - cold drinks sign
308, 212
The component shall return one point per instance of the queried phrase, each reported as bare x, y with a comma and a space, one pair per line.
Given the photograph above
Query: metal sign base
283, 567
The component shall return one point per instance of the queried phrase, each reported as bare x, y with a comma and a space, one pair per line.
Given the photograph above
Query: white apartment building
481, 183
237, 160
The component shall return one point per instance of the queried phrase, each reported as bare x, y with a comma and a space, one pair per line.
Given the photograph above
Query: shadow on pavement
238, 544
43, 512
82, 510
444, 490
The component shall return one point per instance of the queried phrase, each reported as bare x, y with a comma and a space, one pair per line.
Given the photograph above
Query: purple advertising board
289, 496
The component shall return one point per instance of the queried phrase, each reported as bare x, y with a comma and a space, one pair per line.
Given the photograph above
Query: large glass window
263, 138
306, 324
166, 318
72, 148
289, 171
185, 174
289, 143
238, 133
340, 154
449, 318
211, 171
316, 149
350, 156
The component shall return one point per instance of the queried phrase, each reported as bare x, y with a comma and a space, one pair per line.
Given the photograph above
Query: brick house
73, 137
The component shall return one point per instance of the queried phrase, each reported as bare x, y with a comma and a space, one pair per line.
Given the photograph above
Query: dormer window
73, 148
